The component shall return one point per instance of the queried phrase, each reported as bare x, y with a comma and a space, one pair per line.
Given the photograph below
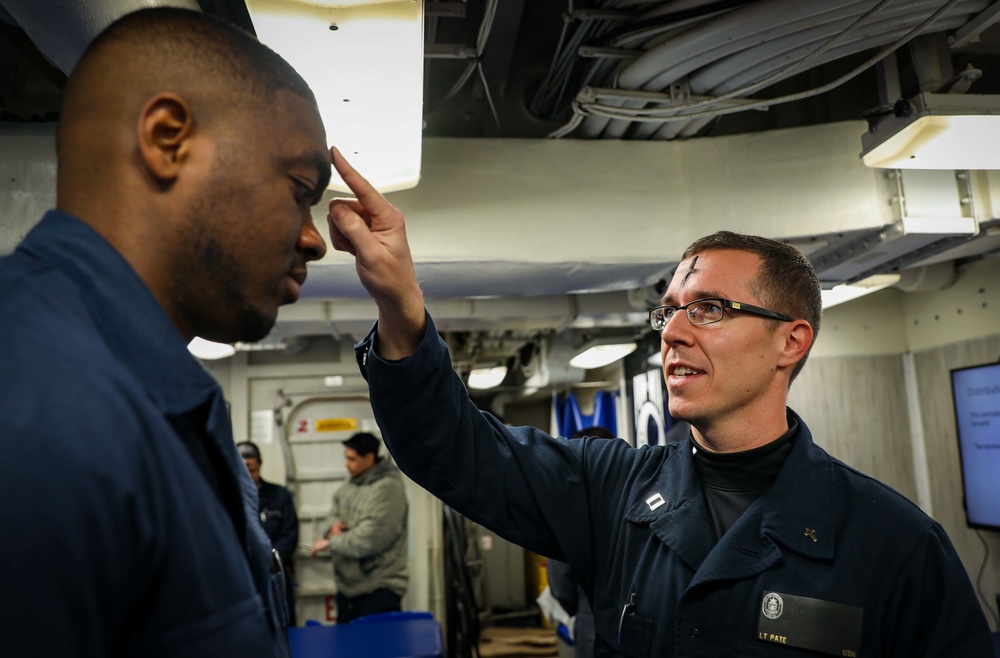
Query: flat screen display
976, 392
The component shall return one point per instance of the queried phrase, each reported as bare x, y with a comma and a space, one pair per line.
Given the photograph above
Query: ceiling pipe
929, 278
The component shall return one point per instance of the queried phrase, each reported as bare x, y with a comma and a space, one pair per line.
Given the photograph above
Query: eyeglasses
707, 311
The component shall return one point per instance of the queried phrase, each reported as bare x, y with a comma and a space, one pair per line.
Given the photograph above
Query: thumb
348, 230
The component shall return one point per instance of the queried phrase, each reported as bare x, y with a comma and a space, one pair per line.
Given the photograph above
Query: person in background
188, 156
566, 588
367, 536
743, 539
277, 515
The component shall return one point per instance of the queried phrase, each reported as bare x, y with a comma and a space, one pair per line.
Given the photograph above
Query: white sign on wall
647, 400
262, 427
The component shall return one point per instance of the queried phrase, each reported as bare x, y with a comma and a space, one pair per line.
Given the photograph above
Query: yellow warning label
336, 424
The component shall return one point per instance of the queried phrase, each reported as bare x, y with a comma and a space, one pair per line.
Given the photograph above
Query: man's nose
311, 242
674, 327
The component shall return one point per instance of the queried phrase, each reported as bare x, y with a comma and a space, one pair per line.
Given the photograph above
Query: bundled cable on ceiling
669, 69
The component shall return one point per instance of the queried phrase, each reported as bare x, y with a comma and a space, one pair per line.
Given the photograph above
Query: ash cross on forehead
691, 270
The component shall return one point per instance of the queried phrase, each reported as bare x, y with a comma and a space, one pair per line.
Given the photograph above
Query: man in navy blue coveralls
744, 539
188, 158
278, 516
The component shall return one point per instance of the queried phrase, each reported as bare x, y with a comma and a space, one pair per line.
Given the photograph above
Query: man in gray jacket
367, 534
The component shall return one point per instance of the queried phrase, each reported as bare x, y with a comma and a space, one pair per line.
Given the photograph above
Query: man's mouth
294, 285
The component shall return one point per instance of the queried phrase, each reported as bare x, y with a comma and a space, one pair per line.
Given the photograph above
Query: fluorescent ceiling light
481, 378
210, 351
364, 60
942, 131
599, 355
846, 292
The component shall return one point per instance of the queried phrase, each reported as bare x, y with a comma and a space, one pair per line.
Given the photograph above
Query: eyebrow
668, 299
320, 162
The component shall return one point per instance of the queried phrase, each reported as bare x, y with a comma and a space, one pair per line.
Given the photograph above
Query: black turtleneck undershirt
732, 481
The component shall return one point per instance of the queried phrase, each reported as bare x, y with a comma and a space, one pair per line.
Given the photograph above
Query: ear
166, 125
797, 338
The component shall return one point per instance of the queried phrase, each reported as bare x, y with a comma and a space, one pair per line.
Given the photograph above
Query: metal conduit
841, 17
654, 35
698, 40
594, 125
671, 7
752, 63
765, 68
749, 23
735, 68
835, 21
665, 131
680, 129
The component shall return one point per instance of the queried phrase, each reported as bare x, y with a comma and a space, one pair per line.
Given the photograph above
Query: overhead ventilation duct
939, 276
935, 214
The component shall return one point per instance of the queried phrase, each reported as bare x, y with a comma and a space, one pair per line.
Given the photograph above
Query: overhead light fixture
364, 60
209, 350
845, 292
601, 353
937, 131
483, 378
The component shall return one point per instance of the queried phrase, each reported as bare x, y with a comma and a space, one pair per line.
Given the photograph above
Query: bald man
188, 158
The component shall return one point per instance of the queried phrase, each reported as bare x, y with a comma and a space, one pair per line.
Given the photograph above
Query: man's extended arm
373, 230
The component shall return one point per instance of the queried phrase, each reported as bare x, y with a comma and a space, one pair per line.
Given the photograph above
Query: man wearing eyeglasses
745, 539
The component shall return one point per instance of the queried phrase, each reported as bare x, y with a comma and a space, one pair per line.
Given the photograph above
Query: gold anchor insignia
811, 534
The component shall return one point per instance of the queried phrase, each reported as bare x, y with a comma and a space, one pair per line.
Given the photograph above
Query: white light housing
481, 378
210, 351
599, 355
846, 292
364, 60
943, 131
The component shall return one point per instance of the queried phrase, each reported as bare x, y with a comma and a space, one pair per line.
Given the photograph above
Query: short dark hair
363, 443
787, 282
248, 450
170, 41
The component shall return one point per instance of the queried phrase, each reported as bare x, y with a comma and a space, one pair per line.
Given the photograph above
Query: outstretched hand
371, 229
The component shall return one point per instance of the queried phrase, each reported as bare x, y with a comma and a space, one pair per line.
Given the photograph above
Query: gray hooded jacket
372, 553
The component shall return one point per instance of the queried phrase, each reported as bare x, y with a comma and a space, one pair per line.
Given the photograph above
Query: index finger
370, 198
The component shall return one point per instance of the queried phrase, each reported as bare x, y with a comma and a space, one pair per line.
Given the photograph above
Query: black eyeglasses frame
725, 304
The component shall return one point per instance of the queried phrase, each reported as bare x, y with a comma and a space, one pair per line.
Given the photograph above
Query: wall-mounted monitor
976, 394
